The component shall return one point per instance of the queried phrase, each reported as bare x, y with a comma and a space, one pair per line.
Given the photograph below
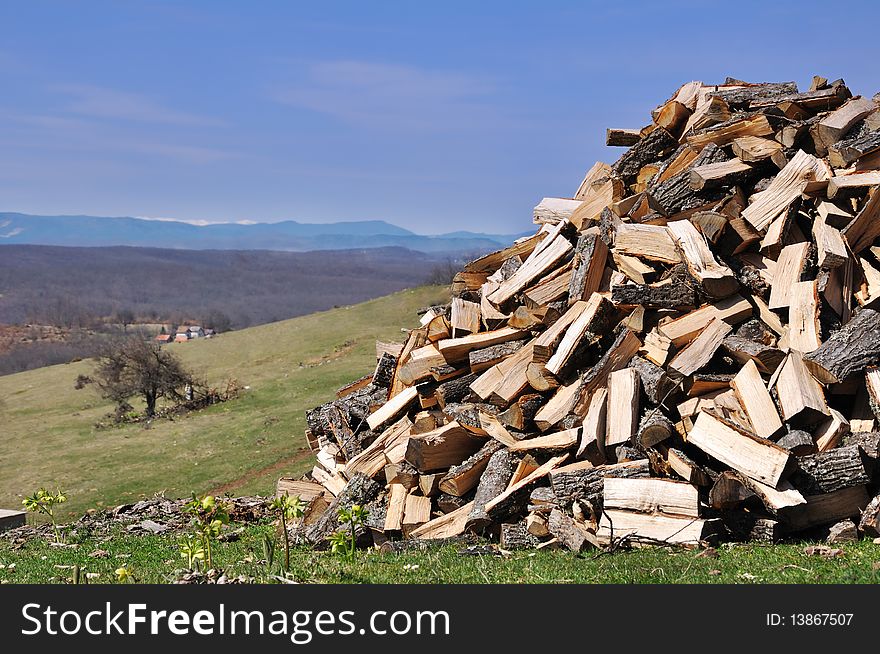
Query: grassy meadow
48, 435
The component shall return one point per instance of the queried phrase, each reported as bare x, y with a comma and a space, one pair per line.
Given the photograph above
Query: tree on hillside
136, 368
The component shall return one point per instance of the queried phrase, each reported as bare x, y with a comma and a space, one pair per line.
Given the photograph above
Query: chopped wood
748, 454
465, 476
789, 268
623, 408
756, 401
841, 184
803, 317
393, 408
800, 395
643, 529
739, 203
652, 496
830, 129
731, 310
650, 242
701, 350
769, 204
716, 280
444, 447
622, 137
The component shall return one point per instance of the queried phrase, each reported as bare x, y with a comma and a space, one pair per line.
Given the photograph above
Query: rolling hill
48, 437
289, 235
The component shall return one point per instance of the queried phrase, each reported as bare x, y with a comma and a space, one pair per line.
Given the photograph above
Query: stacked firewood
686, 350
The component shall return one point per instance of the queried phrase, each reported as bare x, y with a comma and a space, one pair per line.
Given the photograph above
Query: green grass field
153, 559
48, 437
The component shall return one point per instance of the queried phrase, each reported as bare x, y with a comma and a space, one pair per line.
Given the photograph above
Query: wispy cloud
45, 132
390, 95
101, 102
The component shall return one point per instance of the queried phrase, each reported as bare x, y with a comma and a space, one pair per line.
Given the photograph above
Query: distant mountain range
289, 236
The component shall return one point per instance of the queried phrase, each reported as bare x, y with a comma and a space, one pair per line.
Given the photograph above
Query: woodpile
687, 349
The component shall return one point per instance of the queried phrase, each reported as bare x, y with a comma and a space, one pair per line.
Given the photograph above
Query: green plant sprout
354, 517
289, 508
209, 516
193, 551
45, 502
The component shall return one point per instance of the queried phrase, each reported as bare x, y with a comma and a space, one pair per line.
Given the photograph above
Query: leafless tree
137, 368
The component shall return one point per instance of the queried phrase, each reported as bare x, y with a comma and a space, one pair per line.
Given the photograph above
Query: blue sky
434, 116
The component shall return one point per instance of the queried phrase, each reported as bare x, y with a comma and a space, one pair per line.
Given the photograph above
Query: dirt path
276, 467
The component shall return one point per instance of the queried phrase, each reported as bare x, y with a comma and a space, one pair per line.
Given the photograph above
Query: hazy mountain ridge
292, 236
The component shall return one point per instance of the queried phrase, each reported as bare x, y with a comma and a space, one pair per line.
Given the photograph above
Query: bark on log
870, 522
849, 350
493, 482
745, 526
661, 296
589, 484
455, 390
825, 472
360, 489
462, 478
568, 532
516, 536
655, 382
654, 147
798, 442
654, 428
384, 374
767, 358
868, 442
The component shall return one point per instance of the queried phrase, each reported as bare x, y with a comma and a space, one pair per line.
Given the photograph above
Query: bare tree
137, 368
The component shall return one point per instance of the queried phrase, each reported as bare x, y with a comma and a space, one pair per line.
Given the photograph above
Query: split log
750, 455
835, 125
639, 528
623, 408
651, 496
570, 533
827, 508
616, 356
446, 526
659, 296
798, 442
789, 268
593, 428
731, 310
767, 358
537, 264
650, 242
848, 151
756, 401
829, 471
494, 481
701, 350
849, 350
654, 381
649, 149
588, 265
844, 185
393, 408
360, 489
558, 441
486, 357
870, 520
768, 205
444, 447
622, 137
516, 536
800, 396
465, 476
572, 484
803, 317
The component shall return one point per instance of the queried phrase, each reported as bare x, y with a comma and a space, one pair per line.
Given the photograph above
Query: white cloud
390, 95
101, 102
